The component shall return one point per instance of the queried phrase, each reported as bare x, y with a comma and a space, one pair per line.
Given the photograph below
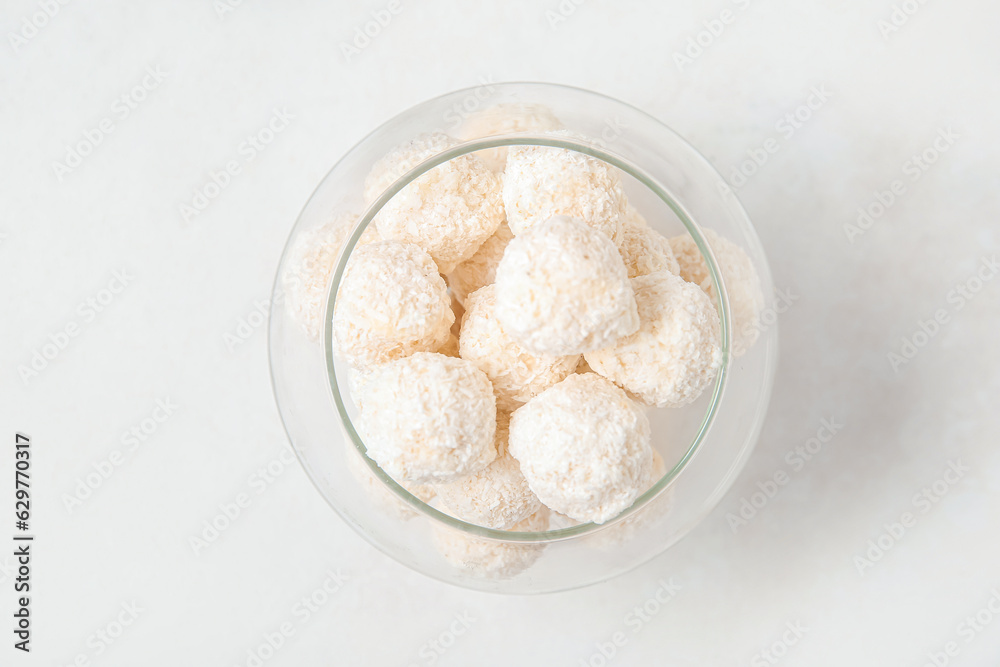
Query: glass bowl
704, 445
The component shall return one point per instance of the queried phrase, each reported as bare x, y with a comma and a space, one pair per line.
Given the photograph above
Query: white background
192, 282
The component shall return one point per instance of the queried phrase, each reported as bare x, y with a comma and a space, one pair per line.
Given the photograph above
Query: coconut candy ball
448, 211
676, 352
634, 216
640, 523
542, 181
480, 269
381, 495
429, 418
392, 302
517, 374
644, 250
511, 118
393, 165
311, 261
356, 380
489, 559
583, 446
495, 497
562, 289
746, 299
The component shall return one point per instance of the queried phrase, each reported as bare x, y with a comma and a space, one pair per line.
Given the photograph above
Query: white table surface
189, 284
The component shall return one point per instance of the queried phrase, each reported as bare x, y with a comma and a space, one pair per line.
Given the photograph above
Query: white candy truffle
517, 374
393, 165
501, 119
563, 289
392, 302
429, 418
644, 250
641, 523
742, 282
449, 211
542, 181
583, 446
480, 269
379, 492
311, 261
488, 559
634, 216
676, 352
495, 497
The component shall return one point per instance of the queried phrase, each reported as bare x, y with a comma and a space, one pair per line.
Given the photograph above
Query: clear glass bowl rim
579, 145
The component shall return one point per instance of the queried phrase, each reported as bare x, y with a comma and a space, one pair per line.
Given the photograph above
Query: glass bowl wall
704, 445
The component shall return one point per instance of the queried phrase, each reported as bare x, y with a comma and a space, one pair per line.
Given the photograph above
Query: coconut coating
517, 374
676, 352
691, 265
489, 559
542, 181
510, 118
632, 215
643, 521
392, 302
379, 492
562, 289
449, 211
394, 164
746, 299
429, 418
644, 250
356, 381
480, 269
583, 446
311, 261
495, 497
